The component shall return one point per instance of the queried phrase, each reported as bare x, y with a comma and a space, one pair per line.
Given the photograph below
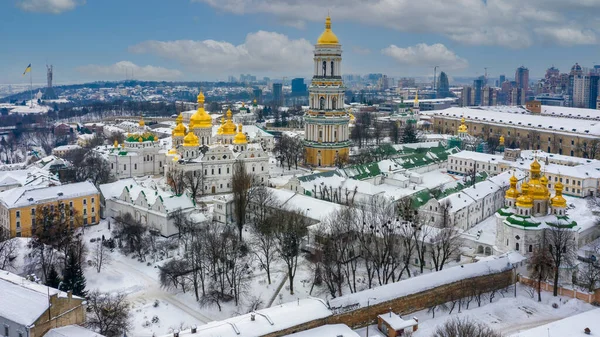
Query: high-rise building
326, 124
522, 78
516, 96
468, 96
278, 93
298, 86
49, 93
478, 85
488, 96
443, 88
501, 80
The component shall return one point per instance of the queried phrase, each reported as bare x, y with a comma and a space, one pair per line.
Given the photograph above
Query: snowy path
152, 291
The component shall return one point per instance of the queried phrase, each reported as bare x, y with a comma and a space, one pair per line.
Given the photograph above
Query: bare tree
540, 265
109, 314
100, 256
562, 246
445, 245
465, 327
589, 273
194, 181
289, 236
8, 250
176, 180
133, 233
93, 167
264, 243
241, 183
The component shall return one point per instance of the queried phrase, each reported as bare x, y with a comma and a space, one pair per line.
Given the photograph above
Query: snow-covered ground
506, 315
173, 308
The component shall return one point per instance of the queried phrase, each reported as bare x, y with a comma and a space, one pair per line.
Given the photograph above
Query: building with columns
326, 122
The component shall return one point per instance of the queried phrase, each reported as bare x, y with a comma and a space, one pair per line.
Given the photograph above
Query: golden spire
116, 143
200, 98
328, 37
417, 99
501, 140
142, 123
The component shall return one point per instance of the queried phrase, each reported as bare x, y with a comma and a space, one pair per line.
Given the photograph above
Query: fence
564, 291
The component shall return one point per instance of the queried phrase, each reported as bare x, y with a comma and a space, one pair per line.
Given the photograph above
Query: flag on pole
28, 69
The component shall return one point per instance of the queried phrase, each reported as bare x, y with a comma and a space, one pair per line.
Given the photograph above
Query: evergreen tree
410, 134
73, 276
53, 278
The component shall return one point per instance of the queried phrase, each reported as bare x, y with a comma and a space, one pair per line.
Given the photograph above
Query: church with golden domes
326, 124
140, 154
529, 210
196, 148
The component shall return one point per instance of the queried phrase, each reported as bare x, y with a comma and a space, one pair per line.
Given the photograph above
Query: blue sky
211, 39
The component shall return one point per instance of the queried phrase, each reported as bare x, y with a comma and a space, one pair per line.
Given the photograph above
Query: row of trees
370, 131
289, 150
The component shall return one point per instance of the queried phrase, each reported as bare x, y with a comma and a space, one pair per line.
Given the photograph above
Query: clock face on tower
326, 140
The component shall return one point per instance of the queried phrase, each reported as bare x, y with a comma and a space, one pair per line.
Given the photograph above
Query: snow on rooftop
313, 208
330, 330
396, 322
522, 118
420, 283
28, 195
72, 331
568, 327
23, 301
265, 321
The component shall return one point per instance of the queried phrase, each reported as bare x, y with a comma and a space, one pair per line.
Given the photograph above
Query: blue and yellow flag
28, 69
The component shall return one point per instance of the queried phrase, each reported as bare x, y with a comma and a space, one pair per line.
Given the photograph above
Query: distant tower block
49, 94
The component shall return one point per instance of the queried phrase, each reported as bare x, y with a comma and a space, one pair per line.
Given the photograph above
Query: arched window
517, 246
530, 248
322, 103
324, 68
331, 68
333, 103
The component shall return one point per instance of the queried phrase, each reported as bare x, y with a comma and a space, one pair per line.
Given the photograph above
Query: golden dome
201, 119
229, 128
240, 137
142, 123
544, 181
190, 140
220, 130
140, 139
116, 143
328, 37
558, 200
462, 127
535, 167
501, 140
512, 192
179, 119
180, 129
525, 200
172, 151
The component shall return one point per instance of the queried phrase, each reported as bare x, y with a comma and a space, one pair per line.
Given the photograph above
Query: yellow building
326, 130
18, 206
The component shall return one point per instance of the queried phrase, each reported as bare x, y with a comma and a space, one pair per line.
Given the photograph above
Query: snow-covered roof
396, 322
23, 301
420, 283
31, 195
524, 119
72, 331
313, 208
567, 327
31, 176
266, 321
570, 112
114, 189
66, 148
169, 200
330, 330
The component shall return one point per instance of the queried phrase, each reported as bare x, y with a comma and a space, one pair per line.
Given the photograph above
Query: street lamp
368, 321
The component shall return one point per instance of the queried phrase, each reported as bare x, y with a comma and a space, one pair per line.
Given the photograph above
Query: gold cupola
525, 200
116, 144
558, 200
538, 190
463, 127
512, 192
179, 130
191, 140
229, 128
200, 119
141, 122
172, 151
220, 130
328, 37
501, 141
240, 137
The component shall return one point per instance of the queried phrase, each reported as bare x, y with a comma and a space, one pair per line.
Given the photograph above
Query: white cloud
426, 55
117, 71
508, 23
49, 6
567, 36
263, 52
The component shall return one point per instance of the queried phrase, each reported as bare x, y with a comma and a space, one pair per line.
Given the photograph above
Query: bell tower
326, 140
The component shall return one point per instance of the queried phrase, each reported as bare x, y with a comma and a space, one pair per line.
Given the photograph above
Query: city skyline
210, 40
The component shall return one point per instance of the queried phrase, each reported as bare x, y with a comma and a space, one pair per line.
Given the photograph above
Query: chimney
70, 294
